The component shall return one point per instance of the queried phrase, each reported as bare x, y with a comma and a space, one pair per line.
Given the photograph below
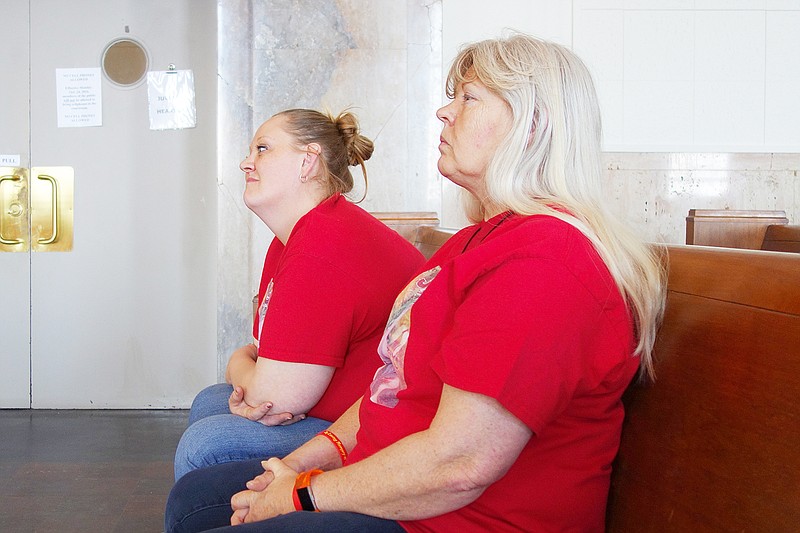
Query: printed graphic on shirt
262, 311
390, 379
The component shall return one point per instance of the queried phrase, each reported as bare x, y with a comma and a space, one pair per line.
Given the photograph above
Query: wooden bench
782, 238
408, 223
420, 228
714, 443
749, 229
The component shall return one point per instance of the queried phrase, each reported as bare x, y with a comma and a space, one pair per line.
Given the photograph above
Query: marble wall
654, 191
381, 58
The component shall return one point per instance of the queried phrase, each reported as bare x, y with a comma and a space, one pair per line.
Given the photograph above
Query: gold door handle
51, 209
54, 209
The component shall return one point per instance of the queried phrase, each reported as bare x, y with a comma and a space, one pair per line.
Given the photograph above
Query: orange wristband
336, 442
302, 497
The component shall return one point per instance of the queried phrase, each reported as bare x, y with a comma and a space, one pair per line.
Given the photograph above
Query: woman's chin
443, 168
249, 198
449, 175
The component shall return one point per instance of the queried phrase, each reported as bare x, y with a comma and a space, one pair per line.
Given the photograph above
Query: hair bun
359, 148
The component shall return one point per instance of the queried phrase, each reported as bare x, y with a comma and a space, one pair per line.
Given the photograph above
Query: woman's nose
246, 165
444, 114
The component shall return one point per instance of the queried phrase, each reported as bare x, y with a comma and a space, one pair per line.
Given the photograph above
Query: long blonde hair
550, 163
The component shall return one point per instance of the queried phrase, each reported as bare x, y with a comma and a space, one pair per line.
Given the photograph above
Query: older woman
498, 405
329, 279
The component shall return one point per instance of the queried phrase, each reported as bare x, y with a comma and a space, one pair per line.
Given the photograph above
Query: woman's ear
313, 151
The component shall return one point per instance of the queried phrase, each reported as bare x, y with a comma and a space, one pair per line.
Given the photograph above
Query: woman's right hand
259, 413
260, 500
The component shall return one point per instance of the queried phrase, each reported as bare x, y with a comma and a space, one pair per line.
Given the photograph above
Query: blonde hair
550, 163
341, 145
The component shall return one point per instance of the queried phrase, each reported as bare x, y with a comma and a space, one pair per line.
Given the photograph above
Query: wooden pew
731, 228
714, 443
782, 238
420, 228
429, 239
408, 223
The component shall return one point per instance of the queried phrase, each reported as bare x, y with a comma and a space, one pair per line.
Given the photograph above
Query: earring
303, 178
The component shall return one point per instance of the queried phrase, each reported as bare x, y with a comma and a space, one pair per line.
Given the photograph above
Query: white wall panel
659, 45
730, 45
752, 5
741, 58
782, 116
599, 39
729, 115
659, 5
783, 4
783, 46
658, 112
612, 106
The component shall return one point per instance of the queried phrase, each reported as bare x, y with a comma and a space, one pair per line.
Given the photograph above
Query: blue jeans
200, 501
216, 436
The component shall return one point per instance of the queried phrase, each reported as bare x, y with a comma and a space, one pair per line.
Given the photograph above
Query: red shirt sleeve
310, 314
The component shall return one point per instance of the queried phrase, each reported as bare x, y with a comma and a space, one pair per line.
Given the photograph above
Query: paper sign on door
170, 95
79, 97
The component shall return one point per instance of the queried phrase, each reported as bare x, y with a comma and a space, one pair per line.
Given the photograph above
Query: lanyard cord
494, 227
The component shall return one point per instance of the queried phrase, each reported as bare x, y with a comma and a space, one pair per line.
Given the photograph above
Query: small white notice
170, 94
9, 160
79, 97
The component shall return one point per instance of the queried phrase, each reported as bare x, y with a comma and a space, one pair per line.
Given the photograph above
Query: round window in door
125, 62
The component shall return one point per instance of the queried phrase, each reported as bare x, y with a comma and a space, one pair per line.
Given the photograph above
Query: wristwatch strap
302, 496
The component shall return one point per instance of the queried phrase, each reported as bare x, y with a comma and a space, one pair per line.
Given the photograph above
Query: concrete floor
87, 471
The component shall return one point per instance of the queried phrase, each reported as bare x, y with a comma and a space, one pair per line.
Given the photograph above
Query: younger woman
329, 279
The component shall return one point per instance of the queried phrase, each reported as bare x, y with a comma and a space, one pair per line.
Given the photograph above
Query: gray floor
87, 471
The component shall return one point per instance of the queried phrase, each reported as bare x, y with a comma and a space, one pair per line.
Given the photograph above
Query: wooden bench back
408, 223
730, 228
428, 240
714, 444
420, 228
782, 238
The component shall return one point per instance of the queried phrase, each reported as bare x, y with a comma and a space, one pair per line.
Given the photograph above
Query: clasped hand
267, 495
259, 413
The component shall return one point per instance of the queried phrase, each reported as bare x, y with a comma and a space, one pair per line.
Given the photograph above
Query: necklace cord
478, 230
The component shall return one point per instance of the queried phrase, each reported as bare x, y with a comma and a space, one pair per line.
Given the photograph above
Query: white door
126, 318
14, 265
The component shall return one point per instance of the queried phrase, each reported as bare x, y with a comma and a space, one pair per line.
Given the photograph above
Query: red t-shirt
330, 290
523, 310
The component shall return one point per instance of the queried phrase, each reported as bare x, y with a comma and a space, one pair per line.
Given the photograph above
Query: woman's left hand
259, 413
275, 499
